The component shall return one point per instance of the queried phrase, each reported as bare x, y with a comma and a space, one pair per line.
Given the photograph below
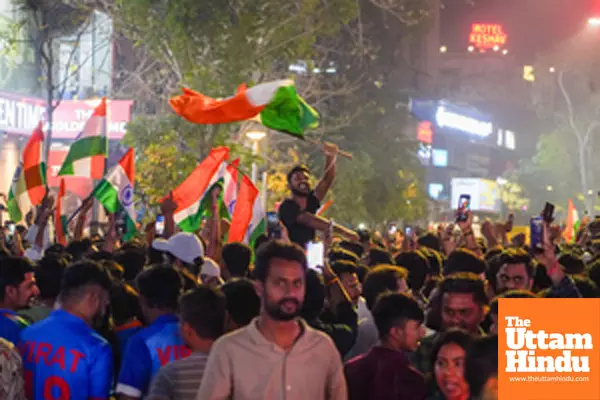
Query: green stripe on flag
259, 230
108, 196
83, 148
192, 223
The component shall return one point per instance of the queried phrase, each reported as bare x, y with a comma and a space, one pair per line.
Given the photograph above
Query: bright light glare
552, 69
590, 192
496, 48
501, 181
471, 49
549, 188
594, 21
443, 49
505, 52
362, 227
256, 135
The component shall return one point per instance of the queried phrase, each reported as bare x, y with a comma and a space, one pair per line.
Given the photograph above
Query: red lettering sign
424, 132
487, 36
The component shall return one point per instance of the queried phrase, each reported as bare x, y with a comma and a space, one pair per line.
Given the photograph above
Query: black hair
452, 336
417, 266
243, 304
541, 280
276, 249
394, 309
382, 279
79, 248
237, 258
586, 287
115, 270
124, 303
435, 260
380, 256
593, 271
132, 258
481, 363
49, 273
362, 271
260, 240
464, 261
314, 297
430, 240
297, 168
161, 286
339, 254
344, 267
517, 256
99, 256
572, 263
354, 247
510, 294
12, 272
204, 309
81, 274
464, 282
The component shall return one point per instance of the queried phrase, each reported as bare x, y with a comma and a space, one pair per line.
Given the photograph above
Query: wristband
551, 270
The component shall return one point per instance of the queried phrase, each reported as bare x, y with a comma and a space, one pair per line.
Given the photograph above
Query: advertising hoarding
485, 195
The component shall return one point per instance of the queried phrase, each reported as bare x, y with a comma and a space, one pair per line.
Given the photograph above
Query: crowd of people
185, 316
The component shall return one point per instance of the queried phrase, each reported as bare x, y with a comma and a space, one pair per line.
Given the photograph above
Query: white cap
210, 268
183, 245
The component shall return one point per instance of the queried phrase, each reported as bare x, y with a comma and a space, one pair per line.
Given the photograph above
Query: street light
471, 49
443, 49
256, 136
549, 188
552, 69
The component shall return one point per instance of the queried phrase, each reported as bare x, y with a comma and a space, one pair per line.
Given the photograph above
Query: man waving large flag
115, 192
28, 186
87, 155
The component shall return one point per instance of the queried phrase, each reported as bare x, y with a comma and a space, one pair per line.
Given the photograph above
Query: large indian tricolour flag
87, 154
115, 192
248, 221
193, 195
230, 187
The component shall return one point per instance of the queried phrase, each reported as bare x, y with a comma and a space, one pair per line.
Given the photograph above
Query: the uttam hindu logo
548, 349
487, 36
524, 342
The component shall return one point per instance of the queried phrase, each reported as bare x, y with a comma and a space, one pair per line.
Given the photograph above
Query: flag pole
342, 153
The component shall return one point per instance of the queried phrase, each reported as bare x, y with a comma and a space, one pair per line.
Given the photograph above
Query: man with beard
298, 212
277, 355
17, 288
62, 355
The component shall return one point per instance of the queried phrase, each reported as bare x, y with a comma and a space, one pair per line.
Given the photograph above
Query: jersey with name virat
147, 351
64, 358
11, 326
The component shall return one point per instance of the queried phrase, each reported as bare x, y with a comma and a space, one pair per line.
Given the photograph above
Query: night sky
531, 25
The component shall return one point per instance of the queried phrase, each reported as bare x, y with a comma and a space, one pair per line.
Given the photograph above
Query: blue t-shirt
147, 351
64, 358
11, 326
124, 333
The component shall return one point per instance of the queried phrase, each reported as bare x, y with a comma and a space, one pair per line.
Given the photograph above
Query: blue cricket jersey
11, 326
148, 350
64, 358
124, 333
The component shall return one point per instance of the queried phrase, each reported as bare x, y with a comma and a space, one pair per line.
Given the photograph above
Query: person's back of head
430, 240
115, 270
380, 256
381, 279
133, 259
243, 304
481, 367
572, 262
586, 287
236, 258
463, 260
314, 299
160, 287
593, 272
85, 288
125, 304
48, 275
435, 260
354, 247
417, 266
203, 311
339, 254
395, 311
79, 248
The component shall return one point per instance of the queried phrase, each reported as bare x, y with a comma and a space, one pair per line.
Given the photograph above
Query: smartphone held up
464, 206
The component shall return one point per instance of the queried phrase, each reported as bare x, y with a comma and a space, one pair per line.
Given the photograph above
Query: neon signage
448, 119
487, 36
424, 132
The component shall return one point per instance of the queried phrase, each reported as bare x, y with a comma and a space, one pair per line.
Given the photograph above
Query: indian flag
61, 220
28, 186
230, 186
572, 223
274, 104
248, 221
115, 192
193, 195
87, 155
